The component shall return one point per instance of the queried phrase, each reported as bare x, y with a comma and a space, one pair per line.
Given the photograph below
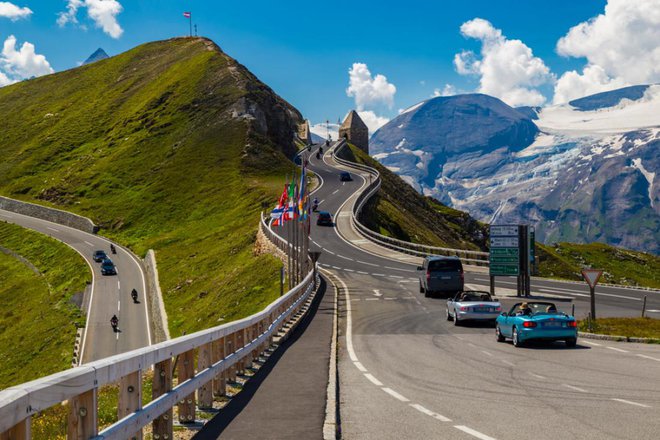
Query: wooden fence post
83, 416
186, 370
20, 431
162, 383
130, 397
204, 361
219, 383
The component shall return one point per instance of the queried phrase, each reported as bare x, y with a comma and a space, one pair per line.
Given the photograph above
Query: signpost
591, 276
512, 254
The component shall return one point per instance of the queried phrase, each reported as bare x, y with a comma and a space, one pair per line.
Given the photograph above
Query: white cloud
322, 129
102, 12
13, 12
368, 90
447, 90
373, 121
620, 45
508, 69
16, 65
593, 79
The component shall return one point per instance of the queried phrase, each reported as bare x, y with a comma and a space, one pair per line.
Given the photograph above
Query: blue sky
304, 50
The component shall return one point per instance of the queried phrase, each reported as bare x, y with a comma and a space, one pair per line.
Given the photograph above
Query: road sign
504, 242
591, 276
504, 269
504, 230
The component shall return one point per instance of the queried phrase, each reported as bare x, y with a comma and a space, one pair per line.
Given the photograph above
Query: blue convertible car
528, 321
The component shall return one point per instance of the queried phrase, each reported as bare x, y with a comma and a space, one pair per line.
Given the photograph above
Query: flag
186, 14
277, 213
301, 195
290, 213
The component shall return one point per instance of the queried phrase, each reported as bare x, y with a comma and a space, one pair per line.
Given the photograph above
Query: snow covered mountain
582, 172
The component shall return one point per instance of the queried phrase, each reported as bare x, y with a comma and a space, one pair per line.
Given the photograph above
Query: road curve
109, 294
406, 372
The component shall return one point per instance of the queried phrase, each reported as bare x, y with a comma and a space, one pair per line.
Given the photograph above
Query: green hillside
39, 277
398, 211
172, 146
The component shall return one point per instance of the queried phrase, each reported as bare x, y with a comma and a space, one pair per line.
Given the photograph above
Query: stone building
304, 132
355, 131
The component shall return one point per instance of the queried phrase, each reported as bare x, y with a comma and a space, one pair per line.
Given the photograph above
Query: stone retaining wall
49, 214
159, 324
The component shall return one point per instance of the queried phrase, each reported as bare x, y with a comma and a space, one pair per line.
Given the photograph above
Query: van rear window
445, 265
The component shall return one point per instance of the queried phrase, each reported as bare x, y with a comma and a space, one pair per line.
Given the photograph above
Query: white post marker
591, 276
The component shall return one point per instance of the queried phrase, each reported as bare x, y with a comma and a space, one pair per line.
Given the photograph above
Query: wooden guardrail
469, 257
220, 353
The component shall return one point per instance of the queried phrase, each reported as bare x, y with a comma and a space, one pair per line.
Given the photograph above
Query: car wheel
498, 334
427, 294
449, 317
421, 288
571, 342
456, 323
516, 340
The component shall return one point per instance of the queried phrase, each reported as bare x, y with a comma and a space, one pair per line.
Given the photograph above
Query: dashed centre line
52, 229
648, 357
617, 349
575, 388
428, 412
373, 380
629, 402
394, 394
473, 433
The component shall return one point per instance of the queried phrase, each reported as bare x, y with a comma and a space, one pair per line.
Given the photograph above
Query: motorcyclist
134, 295
114, 322
320, 149
315, 204
318, 155
112, 248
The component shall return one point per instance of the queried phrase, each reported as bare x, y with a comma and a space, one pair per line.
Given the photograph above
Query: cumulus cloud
620, 45
323, 129
13, 12
447, 90
23, 63
507, 68
102, 12
372, 120
368, 90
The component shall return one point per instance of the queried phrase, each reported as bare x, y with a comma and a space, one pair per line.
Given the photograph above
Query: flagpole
190, 22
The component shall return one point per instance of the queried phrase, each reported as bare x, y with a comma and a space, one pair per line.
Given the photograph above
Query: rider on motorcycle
315, 204
112, 248
114, 322
134, 295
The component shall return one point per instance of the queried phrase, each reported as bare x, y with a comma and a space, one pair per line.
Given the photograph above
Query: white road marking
118, 285
397, 268
595, 344
378, 274
335, 267
428, 412
389, 299
486, 353
572, 292
653, 311
90, 244
345, 258
575, 388
394, 394
631, 403
52, 229
371, 299
373, 380
508, 363
349, 270
538, 376
330, 252
648, 357
617, 349
375, 265
395, 276
377, 292
473, 433
360, 366
335, 192
325, 265
363, 273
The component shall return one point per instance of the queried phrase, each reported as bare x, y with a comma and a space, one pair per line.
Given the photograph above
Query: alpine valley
581, 172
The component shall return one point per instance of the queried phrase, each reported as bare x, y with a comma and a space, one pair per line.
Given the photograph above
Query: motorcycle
134, 295
318, 155
112, 249
315, 206
114, 322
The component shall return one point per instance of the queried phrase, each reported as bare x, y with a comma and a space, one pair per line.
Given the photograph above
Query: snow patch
414, 107
650, 177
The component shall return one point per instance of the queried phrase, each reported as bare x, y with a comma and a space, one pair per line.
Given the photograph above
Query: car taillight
529, 324
464, 309
498, 309
572, 324
428, 275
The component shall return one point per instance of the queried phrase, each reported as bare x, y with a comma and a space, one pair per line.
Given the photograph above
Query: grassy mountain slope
399, 211
172, 146
38, 320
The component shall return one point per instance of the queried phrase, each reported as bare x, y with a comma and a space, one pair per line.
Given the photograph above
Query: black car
345, 176
99, 256
108, 267
324, 219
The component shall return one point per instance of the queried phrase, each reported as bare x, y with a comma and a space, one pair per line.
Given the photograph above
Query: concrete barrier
159, 322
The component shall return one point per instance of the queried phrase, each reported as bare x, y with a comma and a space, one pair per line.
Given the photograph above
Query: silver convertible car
473, 305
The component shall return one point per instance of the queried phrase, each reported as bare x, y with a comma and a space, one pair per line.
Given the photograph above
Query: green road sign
504, 259
504, 251
503, 270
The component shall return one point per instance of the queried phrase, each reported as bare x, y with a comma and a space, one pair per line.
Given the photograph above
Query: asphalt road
110, 294
406, 372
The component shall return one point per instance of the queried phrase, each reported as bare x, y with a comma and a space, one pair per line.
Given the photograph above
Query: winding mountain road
109, 294
406, 372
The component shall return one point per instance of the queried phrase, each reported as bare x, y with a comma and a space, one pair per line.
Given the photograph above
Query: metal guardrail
221, 351
469, 257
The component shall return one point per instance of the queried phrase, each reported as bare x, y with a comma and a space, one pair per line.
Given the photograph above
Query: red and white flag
186, 14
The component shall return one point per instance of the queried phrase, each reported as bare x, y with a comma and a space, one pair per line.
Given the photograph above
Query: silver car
473, 305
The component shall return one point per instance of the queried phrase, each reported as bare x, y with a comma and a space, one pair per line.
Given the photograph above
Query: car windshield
324, 214
537, 308
445, 265
474, 296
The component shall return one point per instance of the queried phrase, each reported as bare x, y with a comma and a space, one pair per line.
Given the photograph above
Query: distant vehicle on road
345, 176
99, 256
441, 275
324, 219
108, 267
473, 305
536, 321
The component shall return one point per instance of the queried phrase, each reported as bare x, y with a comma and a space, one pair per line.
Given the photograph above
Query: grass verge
630, 327
38, 318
